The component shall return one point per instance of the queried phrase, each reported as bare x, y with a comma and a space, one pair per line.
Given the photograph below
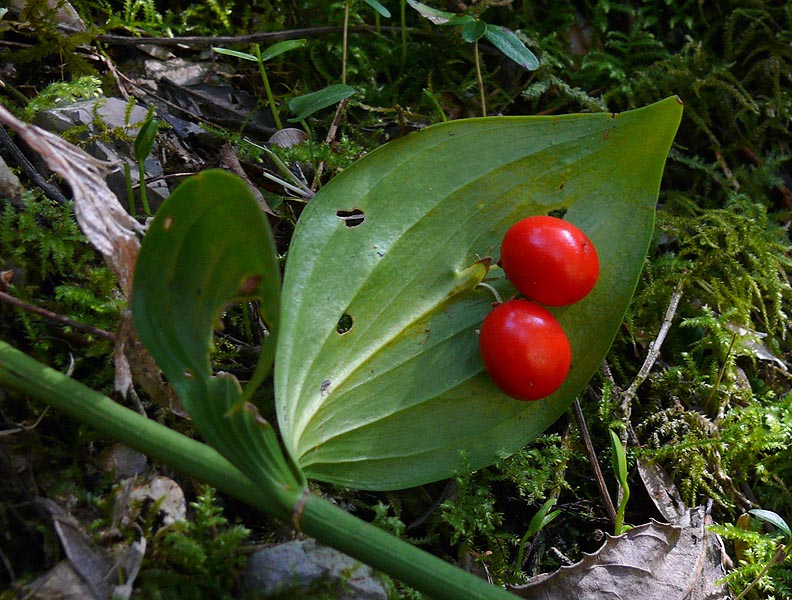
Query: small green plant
543, 517
260, 58
761, 556
85, 87
472, 30
144, 142
196, 558
619, 461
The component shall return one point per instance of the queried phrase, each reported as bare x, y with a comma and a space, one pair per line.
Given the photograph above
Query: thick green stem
315, 516
442, 581
19, 371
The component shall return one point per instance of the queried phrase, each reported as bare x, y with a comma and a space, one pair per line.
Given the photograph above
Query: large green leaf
379, 383
208, 246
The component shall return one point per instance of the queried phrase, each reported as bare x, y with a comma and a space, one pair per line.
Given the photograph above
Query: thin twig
654, 352
252, 38
51, 191
592, 456
22, 428
231, 161
52, 316
480, 80
331, 134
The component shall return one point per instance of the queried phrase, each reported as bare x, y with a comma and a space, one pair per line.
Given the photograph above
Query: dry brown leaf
90, 573
651, 562
106, 224
662, 491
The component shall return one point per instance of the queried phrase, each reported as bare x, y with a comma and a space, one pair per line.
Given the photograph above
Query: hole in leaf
344, 324
351, 218
557, 213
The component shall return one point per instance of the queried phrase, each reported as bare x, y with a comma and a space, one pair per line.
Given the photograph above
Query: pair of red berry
524, 348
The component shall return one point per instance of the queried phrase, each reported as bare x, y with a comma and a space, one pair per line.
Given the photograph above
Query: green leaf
438, 17
305, 106
280, 48
773, 518
512, 46
618, 458
379, 8
208, 246
145, 139
473, 30
390, 249
236, 54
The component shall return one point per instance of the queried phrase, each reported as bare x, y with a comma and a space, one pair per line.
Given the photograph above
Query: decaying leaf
662, 491
89, 572
166, 494
134, 363
655, 561
103, 220
111, 230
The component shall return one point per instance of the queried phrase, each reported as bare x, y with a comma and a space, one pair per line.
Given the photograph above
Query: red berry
525, 350
549, 260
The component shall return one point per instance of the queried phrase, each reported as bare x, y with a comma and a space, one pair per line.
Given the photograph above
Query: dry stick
331, 134
22, 428
200, 41
51, 191
653, 354
592, 455
48, 314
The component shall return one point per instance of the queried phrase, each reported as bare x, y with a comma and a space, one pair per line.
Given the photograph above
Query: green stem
619, 527
404, 33
267, 89
310, 145
344, 42
130, 190
315, 516
480, 79
142, 185
20, 372
440, 580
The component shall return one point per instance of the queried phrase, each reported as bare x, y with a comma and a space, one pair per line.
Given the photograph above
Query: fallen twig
52, 316
592, 456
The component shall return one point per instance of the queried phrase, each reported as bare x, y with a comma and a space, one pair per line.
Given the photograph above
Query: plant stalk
267, 88
480, 79
345, 40
313, 515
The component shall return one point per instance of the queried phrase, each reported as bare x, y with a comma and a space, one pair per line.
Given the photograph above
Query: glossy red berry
549, 260
524, 349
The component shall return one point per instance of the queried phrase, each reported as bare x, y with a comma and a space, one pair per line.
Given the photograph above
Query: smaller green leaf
379, 8
619, 457
236, 54
438, 17
773, 518
281, 48
473, 30
305, 106
542, 518
507, 42
145, 139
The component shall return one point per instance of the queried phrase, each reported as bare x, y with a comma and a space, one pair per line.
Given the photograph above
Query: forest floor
696, 381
